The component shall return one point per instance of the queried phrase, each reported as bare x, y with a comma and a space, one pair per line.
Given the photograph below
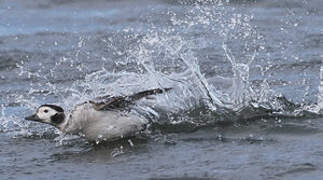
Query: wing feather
122, 102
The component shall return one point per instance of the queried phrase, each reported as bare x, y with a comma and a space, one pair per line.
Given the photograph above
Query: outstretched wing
122, 102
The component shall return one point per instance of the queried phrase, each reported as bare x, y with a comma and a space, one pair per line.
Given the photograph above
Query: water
246, 77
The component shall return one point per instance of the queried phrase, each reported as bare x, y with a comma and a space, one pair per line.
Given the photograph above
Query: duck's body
106, 118
102, 125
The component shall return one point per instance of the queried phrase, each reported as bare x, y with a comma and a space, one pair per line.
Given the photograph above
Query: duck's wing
122, 102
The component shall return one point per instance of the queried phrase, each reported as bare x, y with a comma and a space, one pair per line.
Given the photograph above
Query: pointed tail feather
143, 94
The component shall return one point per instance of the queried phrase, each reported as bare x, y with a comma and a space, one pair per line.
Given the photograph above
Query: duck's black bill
32, 118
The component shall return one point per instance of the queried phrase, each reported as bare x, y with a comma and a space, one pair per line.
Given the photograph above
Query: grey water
246, 99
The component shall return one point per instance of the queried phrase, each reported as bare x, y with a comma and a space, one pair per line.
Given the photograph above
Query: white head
49, 114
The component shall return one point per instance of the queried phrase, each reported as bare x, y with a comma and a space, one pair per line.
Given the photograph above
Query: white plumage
109, 118
102, 125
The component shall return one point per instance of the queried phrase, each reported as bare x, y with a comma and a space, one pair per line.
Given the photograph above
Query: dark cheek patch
57, 118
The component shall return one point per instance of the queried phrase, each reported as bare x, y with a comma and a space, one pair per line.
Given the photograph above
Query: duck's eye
45, 111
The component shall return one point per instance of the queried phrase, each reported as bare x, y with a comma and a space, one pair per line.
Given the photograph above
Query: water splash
167, 57
320, 95
3, 119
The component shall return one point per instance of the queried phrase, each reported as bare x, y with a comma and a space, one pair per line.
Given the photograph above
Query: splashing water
320, 98
2, 119
164, 57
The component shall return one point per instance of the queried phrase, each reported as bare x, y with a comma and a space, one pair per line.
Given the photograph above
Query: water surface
246, 78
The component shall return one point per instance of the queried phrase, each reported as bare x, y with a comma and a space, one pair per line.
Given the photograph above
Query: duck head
49, 114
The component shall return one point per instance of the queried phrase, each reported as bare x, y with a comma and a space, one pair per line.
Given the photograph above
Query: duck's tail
143, 94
